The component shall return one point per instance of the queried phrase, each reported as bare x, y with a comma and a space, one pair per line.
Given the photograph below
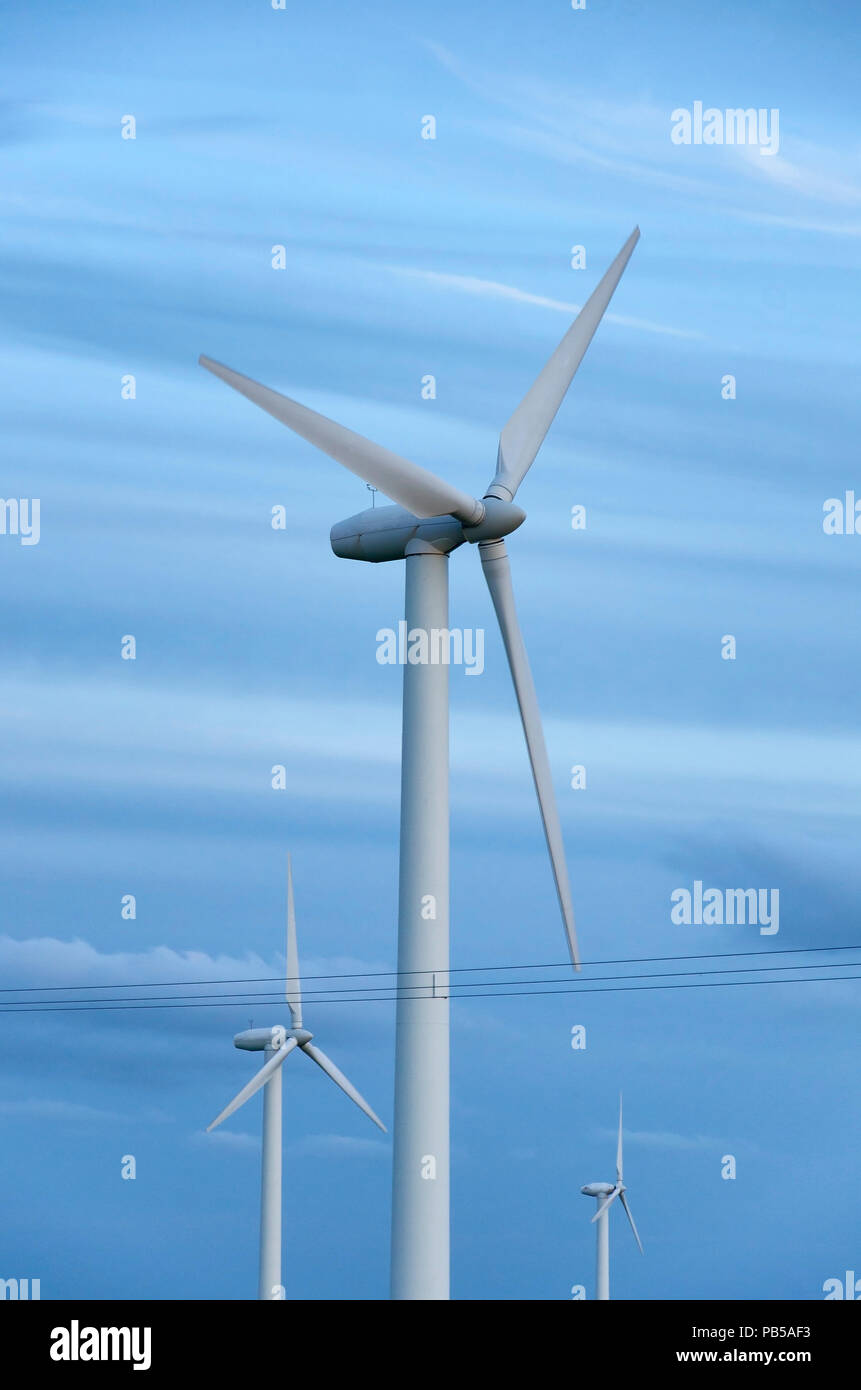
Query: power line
397, 974
396, 991
102, 1007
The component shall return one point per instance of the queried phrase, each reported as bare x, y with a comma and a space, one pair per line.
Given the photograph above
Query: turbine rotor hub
501, 517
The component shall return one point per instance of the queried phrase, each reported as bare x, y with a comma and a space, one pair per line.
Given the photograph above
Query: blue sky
255, 647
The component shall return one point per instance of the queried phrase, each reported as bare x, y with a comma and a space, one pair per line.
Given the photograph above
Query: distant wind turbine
606, 1193
431, 519
277, 1043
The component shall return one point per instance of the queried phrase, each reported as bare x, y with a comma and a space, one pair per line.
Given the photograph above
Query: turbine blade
631, 1219
617, 1191
293, 989
417, 489
497, 572
524, 433
318, 1056
275, 1061
619, 1145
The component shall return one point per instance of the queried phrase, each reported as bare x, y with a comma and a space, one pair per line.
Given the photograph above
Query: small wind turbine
431, 519
277, 1043
606, 1193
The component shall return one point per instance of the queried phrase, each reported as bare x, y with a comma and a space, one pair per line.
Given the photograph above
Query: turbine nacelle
258, 1039
597, 1189
385, 533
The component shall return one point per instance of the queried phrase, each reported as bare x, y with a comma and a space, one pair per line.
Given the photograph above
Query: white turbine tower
277, 1043
606, 1193
433, 518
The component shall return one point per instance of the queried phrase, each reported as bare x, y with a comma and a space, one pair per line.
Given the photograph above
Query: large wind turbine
606, 1193
433, 518
276, 1044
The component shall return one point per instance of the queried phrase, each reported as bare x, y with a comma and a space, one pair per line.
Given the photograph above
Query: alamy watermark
842, 515
436, 646
19, 516
20, 1288
732, 906
848, 1288
76, 1343
735, 126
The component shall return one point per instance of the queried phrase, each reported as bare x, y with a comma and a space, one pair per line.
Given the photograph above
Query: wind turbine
606, 1193
276, 1044
433, 518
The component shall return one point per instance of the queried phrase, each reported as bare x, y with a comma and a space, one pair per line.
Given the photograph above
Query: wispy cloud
232, 1140
571, 125
58, 1111
171, 723
665, 1139
816, 172
494, 289
65, 965
338, 1146
799, 224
